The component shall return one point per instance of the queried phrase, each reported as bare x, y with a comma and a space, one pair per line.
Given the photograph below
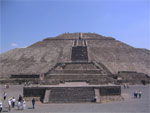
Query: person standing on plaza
135, 94
20, 98
13, 102
19, 104
5, 95
125, 86
33, 103
1, 107
9, 104
23, 104
140, 93
5, 86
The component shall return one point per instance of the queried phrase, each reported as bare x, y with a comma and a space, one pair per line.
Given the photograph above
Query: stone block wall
110, 91
34, 92
133, 77
71, 94
25, 76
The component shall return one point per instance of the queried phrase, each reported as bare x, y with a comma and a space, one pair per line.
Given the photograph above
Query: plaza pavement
129, 105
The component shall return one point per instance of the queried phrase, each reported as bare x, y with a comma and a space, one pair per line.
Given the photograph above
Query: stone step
79, 66
46, 97
79, 53
86, 77
97, 95
70, 94
77, 71
71, 101
74, 74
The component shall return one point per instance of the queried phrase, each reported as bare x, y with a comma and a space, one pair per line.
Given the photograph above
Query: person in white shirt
23, 104
19, 104
9, 104
13, 102
1, 107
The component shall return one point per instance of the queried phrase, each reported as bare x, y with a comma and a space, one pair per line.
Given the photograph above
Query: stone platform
72, 93
129, 105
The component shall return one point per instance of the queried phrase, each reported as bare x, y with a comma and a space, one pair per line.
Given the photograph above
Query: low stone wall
133, 77
90, 71
71, 94
25, 76
110, 90
18, 80
37, 92
59, 94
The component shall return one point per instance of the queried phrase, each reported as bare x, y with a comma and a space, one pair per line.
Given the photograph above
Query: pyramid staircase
79, 72
79, 69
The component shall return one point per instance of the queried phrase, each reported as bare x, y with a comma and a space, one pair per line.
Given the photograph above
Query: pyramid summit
83, 35
39, 58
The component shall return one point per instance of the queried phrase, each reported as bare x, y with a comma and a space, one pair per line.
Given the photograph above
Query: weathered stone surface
69, 94
43, 55
133, 77
90, 72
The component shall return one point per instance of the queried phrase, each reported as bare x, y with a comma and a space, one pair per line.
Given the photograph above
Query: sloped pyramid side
42, 56
36, 59
118, 56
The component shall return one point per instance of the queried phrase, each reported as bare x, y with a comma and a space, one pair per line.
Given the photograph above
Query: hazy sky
24, 22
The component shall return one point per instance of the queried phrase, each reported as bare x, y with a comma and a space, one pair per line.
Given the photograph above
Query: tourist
13, 102
18, 105
135, 94
20, 98
95, 98
140, 93
1, 107
5, 86
33, 103
23, 104
5, 95
125, 85
25, 84
9, 104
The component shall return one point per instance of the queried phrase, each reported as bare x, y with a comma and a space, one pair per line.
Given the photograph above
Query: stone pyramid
42, 56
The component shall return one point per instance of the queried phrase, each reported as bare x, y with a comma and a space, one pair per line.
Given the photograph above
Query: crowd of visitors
20, 103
